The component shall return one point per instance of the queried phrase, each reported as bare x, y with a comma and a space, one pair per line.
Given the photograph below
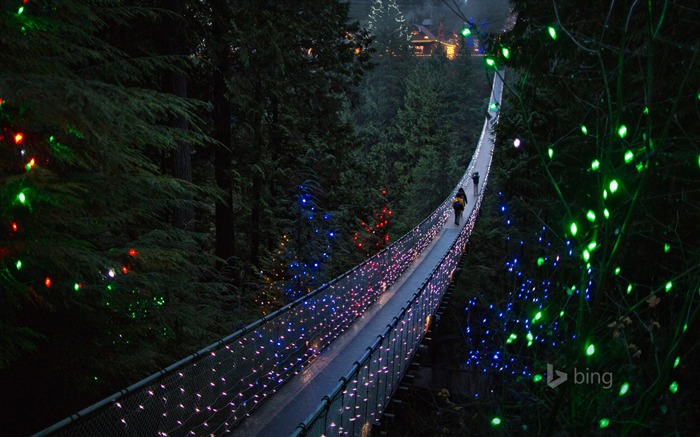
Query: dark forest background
172, 170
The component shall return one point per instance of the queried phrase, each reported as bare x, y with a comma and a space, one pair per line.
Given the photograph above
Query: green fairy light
668, 286
590, 215
552, 32
490, 62
561, 313
505, 52
550, 152
540, 261
538, 316
537, 378
622, 131
466, 31
676, 362
495, 421
22, 198
629, 288
613, 185
673, 388
604, 422
18, 264
639, 167
629, 156
606, 213
624, 389
586, 255
617, 270
574, 229
76, 286
646, 111
511, 338
667, 247
595, 165
530, 339
584, 129
21, 9
685, 327
590, 350
592, 245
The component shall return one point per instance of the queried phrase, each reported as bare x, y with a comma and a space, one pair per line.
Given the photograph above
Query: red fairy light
14, 226
47, 282
132, 252
125, 270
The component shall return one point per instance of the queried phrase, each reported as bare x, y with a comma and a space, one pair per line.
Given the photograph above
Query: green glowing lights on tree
584, 129
586, 255
624, 389
622, 131
552, 32
604, 422
22, 198
668, 286
466, 31
574, 229
540, 261
673, 388
676, 362
537, 378
511, 338
496, 421
590, 350
505, 52
590, 215
18, 264
629, 288
613, 186
629, 156
595, 165
606, 213
550, 152
617, 270
538, 316
490, 62
667, 247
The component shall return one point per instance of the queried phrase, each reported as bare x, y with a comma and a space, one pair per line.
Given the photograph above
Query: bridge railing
359, 399
215, 388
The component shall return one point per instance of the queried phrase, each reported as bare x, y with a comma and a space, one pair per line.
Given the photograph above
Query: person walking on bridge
475, 179
458, 204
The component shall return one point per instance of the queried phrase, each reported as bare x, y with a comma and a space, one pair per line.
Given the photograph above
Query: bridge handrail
360, 397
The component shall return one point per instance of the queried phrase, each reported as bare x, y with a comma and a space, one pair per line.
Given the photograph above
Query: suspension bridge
324, 365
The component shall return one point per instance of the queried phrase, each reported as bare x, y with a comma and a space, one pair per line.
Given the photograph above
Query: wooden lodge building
424, 42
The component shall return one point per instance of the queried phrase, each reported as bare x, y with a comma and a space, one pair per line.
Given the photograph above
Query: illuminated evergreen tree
299, 264
95, 285
376, 229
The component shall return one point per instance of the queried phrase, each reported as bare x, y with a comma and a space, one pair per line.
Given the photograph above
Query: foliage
97, 286
598, 245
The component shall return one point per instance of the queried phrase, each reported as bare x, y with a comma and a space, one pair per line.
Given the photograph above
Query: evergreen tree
429, 165
597, 203
97, 288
